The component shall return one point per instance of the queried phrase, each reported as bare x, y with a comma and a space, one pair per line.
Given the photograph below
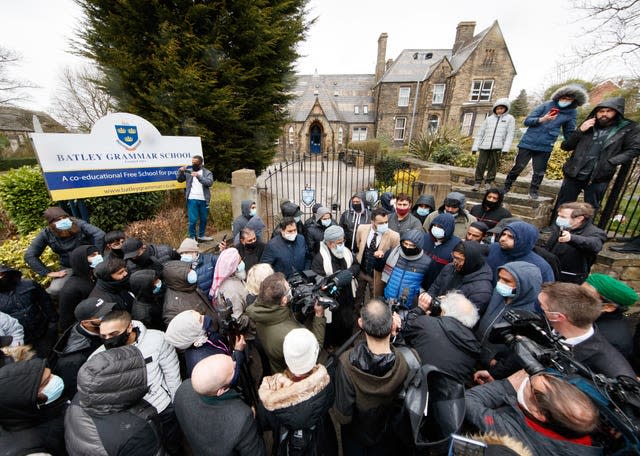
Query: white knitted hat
301, 350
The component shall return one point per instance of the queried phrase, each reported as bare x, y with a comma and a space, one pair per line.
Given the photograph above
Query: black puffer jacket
108, 415
25, 426
182, 295
110, 290
154, 257
78, 286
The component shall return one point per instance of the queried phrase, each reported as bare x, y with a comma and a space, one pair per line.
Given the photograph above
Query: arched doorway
315, 139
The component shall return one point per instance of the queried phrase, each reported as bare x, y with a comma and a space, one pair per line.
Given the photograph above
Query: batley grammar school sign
124, 153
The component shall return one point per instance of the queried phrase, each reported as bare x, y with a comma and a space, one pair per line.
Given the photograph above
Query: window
292, 136
438, 94
356, 109
398, 132
481, 90
365, 109
403, 96
434, 123
277, 141
340, 135
467, 123
359, 134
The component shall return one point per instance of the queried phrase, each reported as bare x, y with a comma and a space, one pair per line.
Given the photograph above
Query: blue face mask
437, 232
253, 212
54, 389
186, 258
382, 228
96, 260
563, 223
505, 290
564, 104
192, 277
240, 267
422, 211
158, 287
326, 223
296, 219
64, 224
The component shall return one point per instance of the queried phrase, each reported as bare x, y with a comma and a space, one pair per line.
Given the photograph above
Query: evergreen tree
210, 68
520, 106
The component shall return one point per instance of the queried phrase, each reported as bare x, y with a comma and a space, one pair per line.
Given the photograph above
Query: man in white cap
203, 263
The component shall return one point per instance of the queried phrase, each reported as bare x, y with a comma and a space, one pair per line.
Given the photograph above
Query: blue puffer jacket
408, 272
440, 253
285, 256
204, 269
540, 137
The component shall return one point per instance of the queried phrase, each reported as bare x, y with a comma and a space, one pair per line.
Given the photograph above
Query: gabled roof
458, 59
415, 64
337, 94
18, 119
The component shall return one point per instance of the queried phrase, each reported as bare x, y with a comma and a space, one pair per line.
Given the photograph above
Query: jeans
197, 209
487, 159
571, 188
540, 160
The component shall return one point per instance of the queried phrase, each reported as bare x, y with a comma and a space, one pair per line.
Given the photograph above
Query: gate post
437, 182
243, 187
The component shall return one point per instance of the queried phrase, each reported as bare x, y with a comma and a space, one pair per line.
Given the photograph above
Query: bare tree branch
11, 90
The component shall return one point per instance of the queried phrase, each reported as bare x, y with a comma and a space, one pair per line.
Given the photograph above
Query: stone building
15, 126
421, 89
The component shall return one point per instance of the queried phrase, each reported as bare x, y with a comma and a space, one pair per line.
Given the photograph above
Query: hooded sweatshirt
490, 213
181, 295
247, 220
351, 219
111, 290
496, 131
423, 199
439, 249
525, 236
462, 218
78, 286
147, 307
385, 202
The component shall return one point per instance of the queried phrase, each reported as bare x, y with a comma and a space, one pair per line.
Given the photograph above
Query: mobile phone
463, 446
553, 111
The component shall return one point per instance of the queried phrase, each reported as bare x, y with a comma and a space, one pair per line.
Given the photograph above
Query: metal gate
330, 180
620, 216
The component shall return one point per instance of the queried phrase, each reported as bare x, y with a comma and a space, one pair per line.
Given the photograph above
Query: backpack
430, 406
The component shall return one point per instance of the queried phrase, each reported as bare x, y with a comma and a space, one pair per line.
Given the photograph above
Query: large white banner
124, 153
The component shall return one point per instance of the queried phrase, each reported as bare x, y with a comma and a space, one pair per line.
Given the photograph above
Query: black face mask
143, 258
410, 251
9, 282
357, 207
196, 168
490, 204
116, 341
250, 246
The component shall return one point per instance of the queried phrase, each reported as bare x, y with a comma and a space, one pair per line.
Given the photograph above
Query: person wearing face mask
77, 343
198, 195
163, 370
373, 241
83, 260
454, 205
139, 255
112, 284
401, 219
32, 409
201, 262
147, 287
490, 210
228, 281
543, 128
250, 248
315, 232
287, 253
388, 202
335, 256
524, 407
113, 241
403, 269
576, 241
182, 292
62, 234
249, 215
290, 209
357, 214
438, 244
424, 205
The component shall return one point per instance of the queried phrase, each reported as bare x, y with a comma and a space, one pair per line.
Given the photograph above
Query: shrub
466, 160
16, 162
24, 197
443, 142
115, 212
506, 161
386, 169
220, 213
446, 154
168, 227
556, 161
12, 255
370, 148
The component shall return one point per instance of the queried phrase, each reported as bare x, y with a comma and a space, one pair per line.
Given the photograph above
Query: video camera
541, 350
308, 288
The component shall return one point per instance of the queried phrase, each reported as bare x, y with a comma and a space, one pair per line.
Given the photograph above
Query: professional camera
541, 350
308, 288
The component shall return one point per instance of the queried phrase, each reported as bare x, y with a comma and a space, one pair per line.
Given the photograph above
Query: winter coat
285, 256
423, 199
525, 236
490, 217
181, 295
540, 137
443, 342
163, 369
217, 426
147, 306
27, 427
578, 255
204, 268
618, 330
245, 219
365, 393
110, 290
462, 219
29, 304
155, 257
493, 408
273, 323
253, 256
496, 131
70, 352
475, 280
77, 287
439, 251
620, 146
404, 225
289, 406
234, 289
601, 357
385, 202
108, 415
315, 235
10, 326
350, 220
206, 179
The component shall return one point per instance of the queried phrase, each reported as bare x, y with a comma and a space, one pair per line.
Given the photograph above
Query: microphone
337, 281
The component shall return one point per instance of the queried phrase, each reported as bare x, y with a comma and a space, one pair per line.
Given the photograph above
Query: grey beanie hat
333, 233
322, 211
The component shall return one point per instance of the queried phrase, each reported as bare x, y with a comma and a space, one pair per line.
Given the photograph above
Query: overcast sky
541, 36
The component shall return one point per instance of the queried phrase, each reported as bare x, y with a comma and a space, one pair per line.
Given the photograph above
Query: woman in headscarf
228, 281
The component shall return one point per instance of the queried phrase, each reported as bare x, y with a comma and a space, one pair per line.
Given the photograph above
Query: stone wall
622, 266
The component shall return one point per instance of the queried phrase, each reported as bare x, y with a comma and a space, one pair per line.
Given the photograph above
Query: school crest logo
128, 136
308, 196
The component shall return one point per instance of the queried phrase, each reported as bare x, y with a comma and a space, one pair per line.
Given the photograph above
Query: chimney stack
382, 54
464, 32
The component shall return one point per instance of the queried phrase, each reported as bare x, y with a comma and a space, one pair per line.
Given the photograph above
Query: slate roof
337, 95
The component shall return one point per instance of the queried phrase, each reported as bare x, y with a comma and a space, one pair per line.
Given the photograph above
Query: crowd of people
144, 348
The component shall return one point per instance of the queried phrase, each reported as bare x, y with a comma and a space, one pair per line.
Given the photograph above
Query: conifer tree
520, 106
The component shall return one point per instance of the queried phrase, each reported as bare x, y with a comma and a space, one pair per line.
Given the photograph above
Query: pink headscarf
226, 265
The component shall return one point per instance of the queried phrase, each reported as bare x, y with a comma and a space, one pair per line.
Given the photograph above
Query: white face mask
563, 223
520, 394
338, 250
382, 228
326, 222
290, 236
437, 232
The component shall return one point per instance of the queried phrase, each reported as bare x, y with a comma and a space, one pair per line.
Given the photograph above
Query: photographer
442, 335
274, 319
549, 415
332, 257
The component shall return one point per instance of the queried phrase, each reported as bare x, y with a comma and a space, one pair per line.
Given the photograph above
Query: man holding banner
198, 194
